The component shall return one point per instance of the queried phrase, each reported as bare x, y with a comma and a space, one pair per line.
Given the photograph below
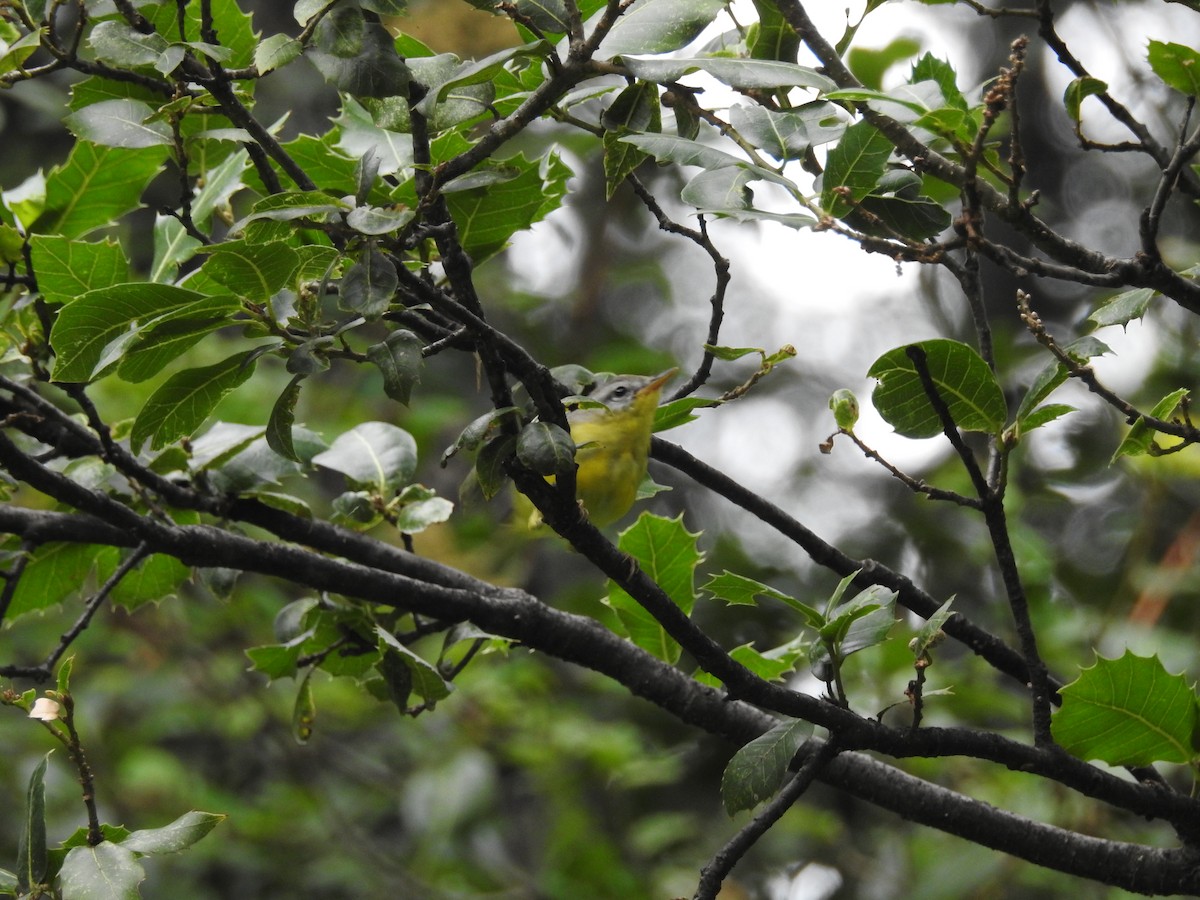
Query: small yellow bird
612, 444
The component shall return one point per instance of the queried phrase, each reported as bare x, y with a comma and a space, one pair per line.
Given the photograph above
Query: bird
612, 441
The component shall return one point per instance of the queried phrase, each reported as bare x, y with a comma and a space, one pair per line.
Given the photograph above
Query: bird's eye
620, 391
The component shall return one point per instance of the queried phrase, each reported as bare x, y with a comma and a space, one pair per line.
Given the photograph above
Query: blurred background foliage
534, 778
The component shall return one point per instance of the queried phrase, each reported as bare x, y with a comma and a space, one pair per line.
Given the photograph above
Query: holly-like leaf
1128, 712
667, 552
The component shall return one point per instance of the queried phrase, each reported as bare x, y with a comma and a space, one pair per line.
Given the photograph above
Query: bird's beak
656, 383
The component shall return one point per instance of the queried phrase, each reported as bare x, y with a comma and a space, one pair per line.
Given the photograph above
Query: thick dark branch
513, 614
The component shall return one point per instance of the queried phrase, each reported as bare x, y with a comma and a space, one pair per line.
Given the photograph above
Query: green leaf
659, 26
421, 509
275, 52
282, 418
374, 220
490, 473
378, 455
179, 835
964, 381
1140, 439
545, 448
738, 590
357, 56
427, 682
845, 409
725, 190
773, 38
157, 578
186, 399
870, 64
398, 358
487, 217
668, 553
252, 270
96, 186
757, 771
1123, 308
90, 332
1177, 65
854, 166
370, 285
120, 123
679, 412
107, 871
931, 632
1127, 712
31, 851
669, 148
635, 109
1078, 91
119, 43
746, 74
1054, 375
162, 340
67, 269
784, 135
54, 572
304, 710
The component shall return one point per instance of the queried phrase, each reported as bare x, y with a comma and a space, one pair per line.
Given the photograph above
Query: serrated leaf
964, 381
1127, 712
120, 123
96, 186
185, 400
738, 590
375, 454
276, 51
68, 269
179, 835
1123, 308
1177, 65
668, 553
758, 769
